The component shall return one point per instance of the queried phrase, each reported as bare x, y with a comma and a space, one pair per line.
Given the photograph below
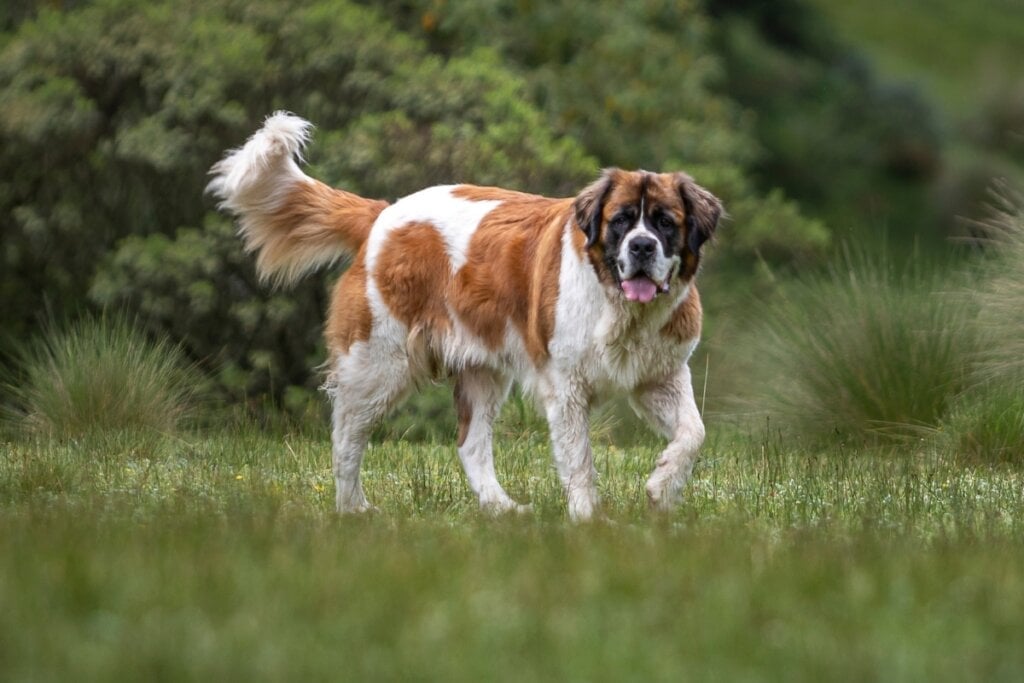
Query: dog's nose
642, 248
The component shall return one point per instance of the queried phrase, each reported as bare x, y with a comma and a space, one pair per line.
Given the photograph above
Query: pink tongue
639, 289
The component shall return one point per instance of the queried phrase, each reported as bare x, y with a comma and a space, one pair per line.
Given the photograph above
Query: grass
1002, 293
987, 422
867, 350
130, 554
218, 556
99, 374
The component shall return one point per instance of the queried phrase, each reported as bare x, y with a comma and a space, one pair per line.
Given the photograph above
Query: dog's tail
295, 224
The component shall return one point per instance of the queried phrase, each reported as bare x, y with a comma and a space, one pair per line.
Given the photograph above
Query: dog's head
644, 231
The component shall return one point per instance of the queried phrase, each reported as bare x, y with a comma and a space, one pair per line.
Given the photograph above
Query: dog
573, 298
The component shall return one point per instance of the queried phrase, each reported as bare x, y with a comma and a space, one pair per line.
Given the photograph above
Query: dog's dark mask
679, 212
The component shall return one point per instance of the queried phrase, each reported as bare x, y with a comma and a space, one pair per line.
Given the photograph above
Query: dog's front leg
567, 407
672, 410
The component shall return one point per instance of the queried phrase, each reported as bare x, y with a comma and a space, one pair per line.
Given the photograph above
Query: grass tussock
1000, 299
96, 375
987, 422
867, 351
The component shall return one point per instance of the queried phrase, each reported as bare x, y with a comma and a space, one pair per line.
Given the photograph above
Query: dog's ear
589, 205
703, 210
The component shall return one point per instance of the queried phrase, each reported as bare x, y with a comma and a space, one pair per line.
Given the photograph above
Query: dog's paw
662, 494
504, 506
355, 507
583, 504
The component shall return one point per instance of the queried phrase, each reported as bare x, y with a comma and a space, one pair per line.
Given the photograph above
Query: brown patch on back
511, 271
477, 193
685, 322
350, 318
412, 273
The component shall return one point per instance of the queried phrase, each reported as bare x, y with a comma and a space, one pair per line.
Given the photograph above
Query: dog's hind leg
479, 393
364, 385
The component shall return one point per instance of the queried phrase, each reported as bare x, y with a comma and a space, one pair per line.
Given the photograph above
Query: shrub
100, 374
114, 111
868, 351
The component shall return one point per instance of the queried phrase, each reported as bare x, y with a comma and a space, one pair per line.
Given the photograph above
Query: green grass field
217, 556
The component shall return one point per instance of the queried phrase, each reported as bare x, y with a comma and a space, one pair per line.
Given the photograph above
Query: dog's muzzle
643, 272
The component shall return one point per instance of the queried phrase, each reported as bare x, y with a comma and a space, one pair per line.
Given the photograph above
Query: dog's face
644, 230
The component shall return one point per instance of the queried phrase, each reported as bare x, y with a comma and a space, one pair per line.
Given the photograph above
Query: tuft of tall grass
1001, 298
99, 374
988, 420
987, 424
867, 351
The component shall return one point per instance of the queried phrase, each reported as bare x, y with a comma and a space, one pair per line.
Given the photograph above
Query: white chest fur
607, 342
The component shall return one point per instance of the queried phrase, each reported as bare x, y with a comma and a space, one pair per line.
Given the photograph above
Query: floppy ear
702, 211
589, 206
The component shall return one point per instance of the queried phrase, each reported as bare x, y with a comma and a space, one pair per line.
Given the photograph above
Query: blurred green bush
116, 111
113, 112
854, 150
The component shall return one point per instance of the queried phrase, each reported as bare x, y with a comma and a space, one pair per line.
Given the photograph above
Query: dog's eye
619, 222
665, 222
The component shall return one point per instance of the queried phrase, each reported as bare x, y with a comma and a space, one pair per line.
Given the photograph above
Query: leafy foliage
199, 288
850, 147
124, 102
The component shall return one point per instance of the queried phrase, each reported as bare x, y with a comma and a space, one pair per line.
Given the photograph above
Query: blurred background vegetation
863, 285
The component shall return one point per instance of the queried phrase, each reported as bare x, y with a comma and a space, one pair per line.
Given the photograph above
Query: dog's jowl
573, 298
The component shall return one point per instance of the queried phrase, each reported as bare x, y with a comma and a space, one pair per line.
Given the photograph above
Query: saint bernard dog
573, 298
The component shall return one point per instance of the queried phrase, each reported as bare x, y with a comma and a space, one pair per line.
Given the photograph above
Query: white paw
663, 494
503, 505
355, 506
582, 505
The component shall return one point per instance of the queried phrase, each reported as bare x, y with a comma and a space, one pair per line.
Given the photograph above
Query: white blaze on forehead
642, 229
455, 219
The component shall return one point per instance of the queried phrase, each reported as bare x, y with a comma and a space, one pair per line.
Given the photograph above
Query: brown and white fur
573, 298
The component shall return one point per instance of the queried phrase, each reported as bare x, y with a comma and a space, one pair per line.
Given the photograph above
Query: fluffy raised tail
294, 223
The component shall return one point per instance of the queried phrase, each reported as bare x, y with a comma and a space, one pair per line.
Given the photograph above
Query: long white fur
256, 177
